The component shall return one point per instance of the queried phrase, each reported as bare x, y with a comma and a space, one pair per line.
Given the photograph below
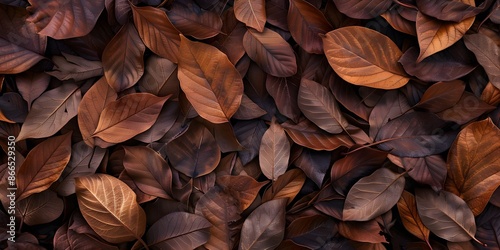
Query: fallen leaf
365, 9
31, 85
486, 52
70, 67
286, 186
274, 151
441, 96
40, 208
191, 20
251, 13
407, 208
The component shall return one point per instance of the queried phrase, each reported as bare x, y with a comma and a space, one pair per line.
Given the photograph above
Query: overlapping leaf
486, 52
251, 12
274, 152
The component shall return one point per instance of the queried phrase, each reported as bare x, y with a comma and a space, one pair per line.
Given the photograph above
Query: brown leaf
274, 151
195, 152
40, 208
65, 19
286, 186
103, 198
446, 215
276, 11
364, 57
243, 188
490, 95
265, 226
84, 161
486, 52
230, 40
251, 12
407, 208
93, 103
318, 105
150, 172
285, 92
211, 83
31, 85
306, 23
430, 170
70, 67
165, 121
43, 165
248, 109
311, 230
466, 109
157, 32
51, 111
191, 20
12, 108
362, 231
435, 35
473, 164
373, 195
18, 30
249, 133
315, 164
364, 9
441, 96
456, 11
128, 116
271, 52
347, 95
398, 22
160, 77
178, 230
122, 58
390, 106
307, 134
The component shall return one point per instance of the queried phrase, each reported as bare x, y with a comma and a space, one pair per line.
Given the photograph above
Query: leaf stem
143, 243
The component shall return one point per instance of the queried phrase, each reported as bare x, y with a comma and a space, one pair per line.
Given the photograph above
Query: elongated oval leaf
40, 208
156, 31
122, 58
149, 170
435, 35
486, 52
178, 230
191, 20
160, 77
265, 226
51, 111
364, 9
104, 198
62, 19
15, 59
318, 105
211, 83
128, 116
407, 208
195, 153
364, 57
441, 95
373, 195
274, 151
251, 12
391, 105
271, 52
474, 164
306, 23
446, 215
43, 165
31, 85
285, 92
91, 107
286, 186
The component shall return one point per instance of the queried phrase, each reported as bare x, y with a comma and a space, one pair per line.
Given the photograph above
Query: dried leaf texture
274, 151
271, 52
128, 116
364, 57
193, 21
15, 59
407, 208
487, 54
40, 208
51, 111
43, 165
474, 164
103, 198
364, 9
211, 83
251, 12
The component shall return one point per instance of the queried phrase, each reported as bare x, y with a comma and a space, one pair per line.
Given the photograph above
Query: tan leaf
251, 12
474, 164
110, 208
407, 208
271, 52
128, 116
365, 57
43, 165
274, 151
210, 81
156, 31
93, 103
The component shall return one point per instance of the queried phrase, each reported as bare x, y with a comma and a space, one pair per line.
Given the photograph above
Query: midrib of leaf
386, 188
65, 100
170, 237
262, 233
253, 13
362, 57
460, 226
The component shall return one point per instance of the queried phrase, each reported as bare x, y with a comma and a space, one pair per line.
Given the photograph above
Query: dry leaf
274, 151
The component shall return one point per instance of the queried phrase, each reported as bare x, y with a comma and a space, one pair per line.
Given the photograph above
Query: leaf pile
251, 124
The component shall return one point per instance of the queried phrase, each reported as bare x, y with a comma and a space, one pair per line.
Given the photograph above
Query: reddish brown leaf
491, 95
122, 59
398, 22
365, 231
248, 109
285, 92
466, 109
125, 219
40, 208
315, 164
276, 11
265, 226
91, 107
286, 186
160, 77
230, 40
486, 52
43, 165
128, 116
271, 52
390, 106
311, 231
251, 12
473, 164
249, 133
243, 188
364, 9
12, 108
31, 85
407, 208
156, 31
274, 151
194, 153
456, 11
211, 83
191, 20
70, 67
306, 23
65, 19
430, 170
441, 96
51, 111
370, 61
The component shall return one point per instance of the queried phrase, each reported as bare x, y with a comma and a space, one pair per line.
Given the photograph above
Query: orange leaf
407, 208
